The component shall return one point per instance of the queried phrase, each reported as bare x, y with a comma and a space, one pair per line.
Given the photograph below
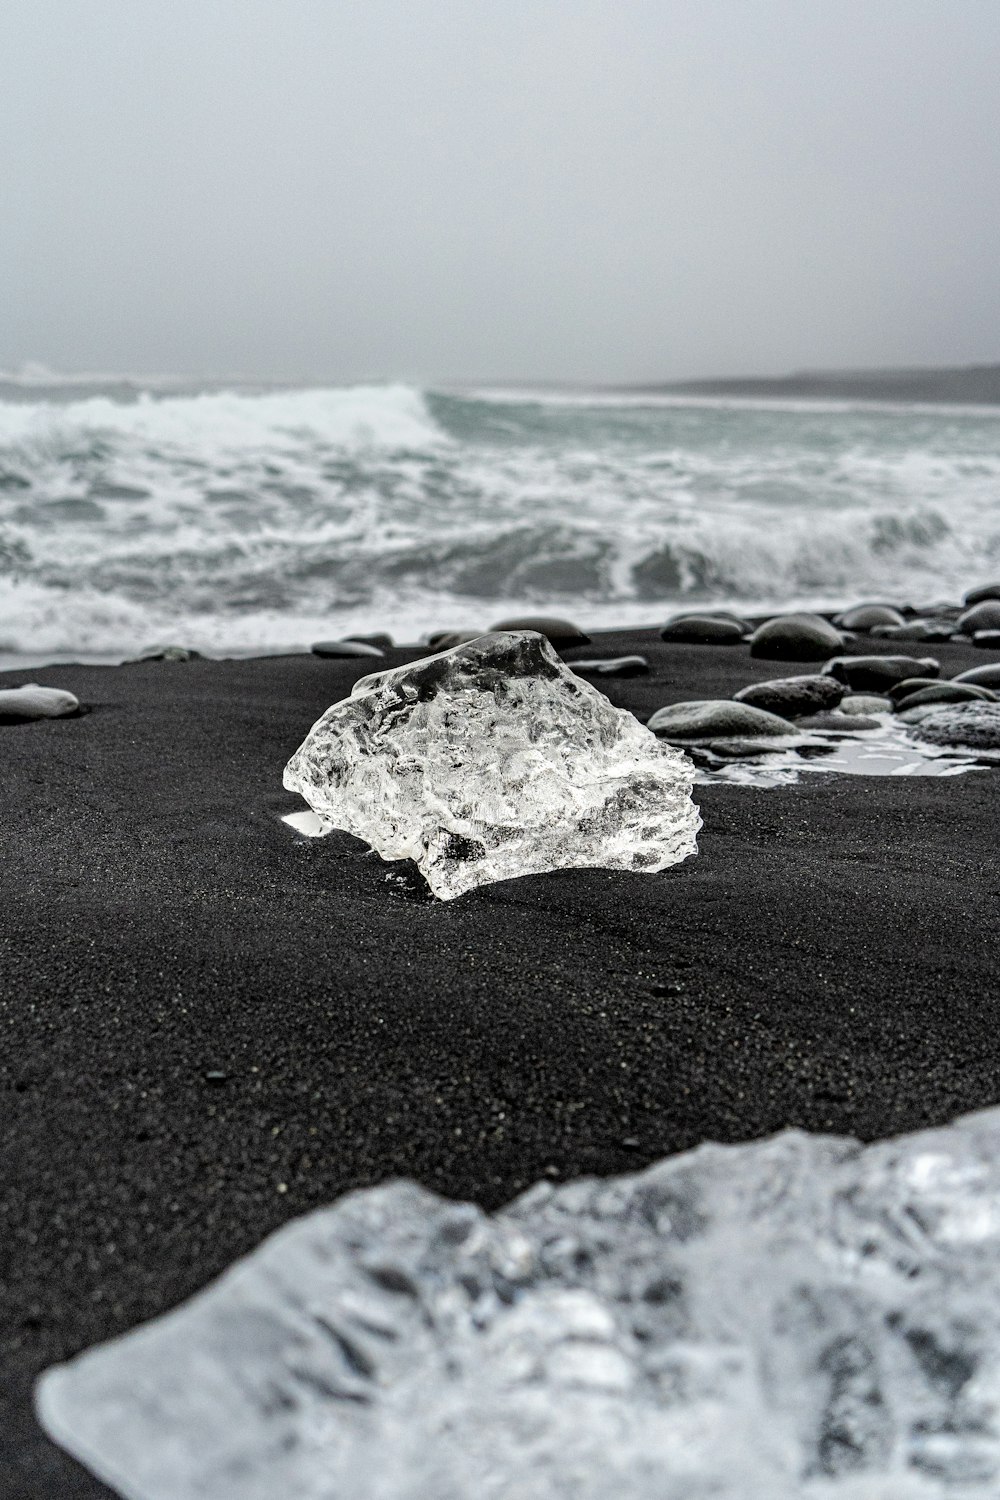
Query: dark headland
209, 1024
967, 385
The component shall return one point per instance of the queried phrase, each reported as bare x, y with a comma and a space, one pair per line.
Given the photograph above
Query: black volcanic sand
829, 960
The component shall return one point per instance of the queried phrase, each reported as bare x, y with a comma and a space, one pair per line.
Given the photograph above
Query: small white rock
34, 702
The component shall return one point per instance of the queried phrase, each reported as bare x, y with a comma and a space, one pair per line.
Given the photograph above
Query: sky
577, 190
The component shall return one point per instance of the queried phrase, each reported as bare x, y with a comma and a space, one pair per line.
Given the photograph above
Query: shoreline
755, 613
827, 960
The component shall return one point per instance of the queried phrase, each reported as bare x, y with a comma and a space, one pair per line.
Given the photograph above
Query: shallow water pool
889, 750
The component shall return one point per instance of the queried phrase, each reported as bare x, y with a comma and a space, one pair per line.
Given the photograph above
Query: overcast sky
571, 189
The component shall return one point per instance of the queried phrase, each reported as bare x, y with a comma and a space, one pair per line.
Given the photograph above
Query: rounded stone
793, 697
987, 640
987, 676
703, 630
165, 653
931, 631
898, 690
796, 638
918, 714
976, 726
865, 704
944, 692
879, 673
345, 648
734, 748
558, 633
22, 704
447, 640
938, 609
983, 616
978, 596
714, 718
612, 666
866, 616
846, 723
378, 638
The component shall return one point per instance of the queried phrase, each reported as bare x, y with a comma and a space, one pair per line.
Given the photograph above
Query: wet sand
829, 960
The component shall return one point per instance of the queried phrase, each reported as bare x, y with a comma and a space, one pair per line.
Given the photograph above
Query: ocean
255, 520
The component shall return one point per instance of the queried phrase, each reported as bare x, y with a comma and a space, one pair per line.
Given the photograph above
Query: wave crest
241, 520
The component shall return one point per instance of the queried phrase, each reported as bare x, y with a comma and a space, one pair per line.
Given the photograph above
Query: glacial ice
798, 1318
493, 760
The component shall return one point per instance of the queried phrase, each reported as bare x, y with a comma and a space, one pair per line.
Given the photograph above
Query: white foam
242, 521
223, 423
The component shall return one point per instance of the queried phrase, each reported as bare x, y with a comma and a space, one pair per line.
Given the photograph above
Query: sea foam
254, 521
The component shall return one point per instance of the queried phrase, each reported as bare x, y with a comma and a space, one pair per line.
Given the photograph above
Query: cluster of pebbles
896, 709
889, 703
899, 707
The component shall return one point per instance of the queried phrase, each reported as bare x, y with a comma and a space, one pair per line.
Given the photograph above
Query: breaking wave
241, 520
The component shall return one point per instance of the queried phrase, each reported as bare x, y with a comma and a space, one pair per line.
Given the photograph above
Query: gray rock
931, 631
165, 653
945, 609
978, 596
846, 723
379, 638
346, 648
706, 719
447, 640
987, 676
973, 725
734, 748
908, 685
865, 704
704, 630
944, 692
918, 714
987, 640
879, 673
867, 616
792, 697
612, 666
559, 633
796, 638
22, 704
983, 616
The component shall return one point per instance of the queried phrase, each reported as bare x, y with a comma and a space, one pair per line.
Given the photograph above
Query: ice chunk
794, 1318
493, 760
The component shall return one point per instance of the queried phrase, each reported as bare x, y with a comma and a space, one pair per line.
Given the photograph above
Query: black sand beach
211, 1024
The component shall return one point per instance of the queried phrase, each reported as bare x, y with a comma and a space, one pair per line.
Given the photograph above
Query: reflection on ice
308, 823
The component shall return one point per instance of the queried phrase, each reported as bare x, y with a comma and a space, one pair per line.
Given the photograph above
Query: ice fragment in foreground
493, 760
796, 1318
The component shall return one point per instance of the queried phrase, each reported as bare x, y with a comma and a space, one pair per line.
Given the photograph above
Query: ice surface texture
493, 760
800, 1317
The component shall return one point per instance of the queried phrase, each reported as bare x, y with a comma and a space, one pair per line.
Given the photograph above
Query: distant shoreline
971, 385
968, 385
